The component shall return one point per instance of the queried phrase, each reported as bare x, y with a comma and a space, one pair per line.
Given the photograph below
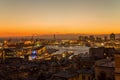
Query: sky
41, 17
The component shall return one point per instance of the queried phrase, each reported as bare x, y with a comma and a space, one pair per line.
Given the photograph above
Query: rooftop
65, 74
105, 63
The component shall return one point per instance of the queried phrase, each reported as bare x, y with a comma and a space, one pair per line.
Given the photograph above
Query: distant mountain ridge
62, 36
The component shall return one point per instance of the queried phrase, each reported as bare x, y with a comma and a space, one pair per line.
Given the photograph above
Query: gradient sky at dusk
27, 17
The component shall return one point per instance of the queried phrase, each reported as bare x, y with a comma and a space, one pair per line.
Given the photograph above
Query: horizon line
62, 34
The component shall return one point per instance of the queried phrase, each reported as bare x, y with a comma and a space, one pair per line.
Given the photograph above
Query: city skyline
28, 17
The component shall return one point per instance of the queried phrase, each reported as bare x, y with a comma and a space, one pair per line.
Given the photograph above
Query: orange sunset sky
27, 17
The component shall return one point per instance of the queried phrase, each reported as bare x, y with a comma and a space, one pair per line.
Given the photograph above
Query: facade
112, 36
117, 66
83, 74
86, 74
105, 38
40, 49
91, 38
104, 69
101, 52
96, 52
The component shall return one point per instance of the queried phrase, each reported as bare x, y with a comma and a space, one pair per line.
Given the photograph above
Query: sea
81, 50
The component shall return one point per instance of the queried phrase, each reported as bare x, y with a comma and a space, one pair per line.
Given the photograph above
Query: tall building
98, 39
105, 38
54, 37
81, 38
86, 37
112, 36
92, 38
